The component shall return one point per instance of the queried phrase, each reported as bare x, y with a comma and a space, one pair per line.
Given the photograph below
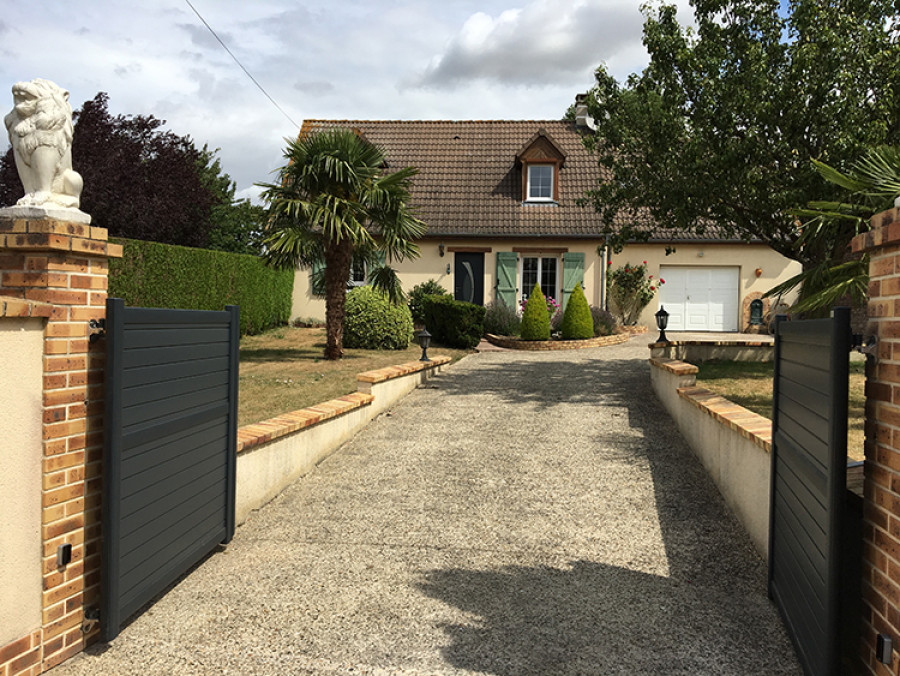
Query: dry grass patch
749, 384
283, 370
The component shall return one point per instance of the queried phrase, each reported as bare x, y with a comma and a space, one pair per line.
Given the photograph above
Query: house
499, 198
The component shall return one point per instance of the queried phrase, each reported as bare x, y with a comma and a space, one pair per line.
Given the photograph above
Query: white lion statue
40, 131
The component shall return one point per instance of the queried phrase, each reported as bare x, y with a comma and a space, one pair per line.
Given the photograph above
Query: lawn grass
749, 384
283, 370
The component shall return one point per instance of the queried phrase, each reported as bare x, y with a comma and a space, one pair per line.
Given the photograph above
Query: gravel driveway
522, 514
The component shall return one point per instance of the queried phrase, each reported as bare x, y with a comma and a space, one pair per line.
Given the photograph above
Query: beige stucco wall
21, 373
748, 257
431, 265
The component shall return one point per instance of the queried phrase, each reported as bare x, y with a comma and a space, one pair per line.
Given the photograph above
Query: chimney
582, 118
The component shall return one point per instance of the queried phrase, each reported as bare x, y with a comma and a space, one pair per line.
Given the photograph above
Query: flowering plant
630, 291
553, 308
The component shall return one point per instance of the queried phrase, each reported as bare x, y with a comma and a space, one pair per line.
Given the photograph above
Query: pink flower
653, 288
645, 262
662, 281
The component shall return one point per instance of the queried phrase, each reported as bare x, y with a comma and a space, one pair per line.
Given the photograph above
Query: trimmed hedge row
452, 322
151, 274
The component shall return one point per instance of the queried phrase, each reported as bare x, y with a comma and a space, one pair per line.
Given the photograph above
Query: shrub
630, 291
372, 322
151, 274
604, 322
577, 323
501, 320
536, 318
452, 322
417, 298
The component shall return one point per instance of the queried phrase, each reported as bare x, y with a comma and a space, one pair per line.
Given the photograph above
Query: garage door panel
701, 299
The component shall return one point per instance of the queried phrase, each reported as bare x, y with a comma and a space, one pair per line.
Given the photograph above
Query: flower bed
548, 345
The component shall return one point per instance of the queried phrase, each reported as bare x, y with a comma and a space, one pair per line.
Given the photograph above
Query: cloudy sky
360, 59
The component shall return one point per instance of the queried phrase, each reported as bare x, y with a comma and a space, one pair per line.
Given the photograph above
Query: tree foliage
332, 201
142, 182
720, 128
870, 186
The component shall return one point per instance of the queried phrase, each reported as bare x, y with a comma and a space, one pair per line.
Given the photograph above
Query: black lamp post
662, 321
424, 342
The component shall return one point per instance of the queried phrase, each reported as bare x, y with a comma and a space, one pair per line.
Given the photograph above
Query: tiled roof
470, 184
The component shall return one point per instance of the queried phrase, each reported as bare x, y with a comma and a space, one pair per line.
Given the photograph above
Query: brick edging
748, 424
552, 345
679, 368
745, 422
265, 431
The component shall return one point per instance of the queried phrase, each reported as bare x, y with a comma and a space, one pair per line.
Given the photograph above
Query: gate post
881, 520
57, 271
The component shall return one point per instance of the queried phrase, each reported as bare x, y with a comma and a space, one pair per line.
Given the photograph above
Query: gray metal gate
169, 457
809, 468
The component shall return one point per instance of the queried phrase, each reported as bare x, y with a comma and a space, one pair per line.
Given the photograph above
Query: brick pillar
881, 526
59, 270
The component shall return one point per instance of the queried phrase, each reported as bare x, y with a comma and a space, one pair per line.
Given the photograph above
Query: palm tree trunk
338, 257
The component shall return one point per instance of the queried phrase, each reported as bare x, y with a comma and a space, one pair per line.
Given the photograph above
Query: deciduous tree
719, 129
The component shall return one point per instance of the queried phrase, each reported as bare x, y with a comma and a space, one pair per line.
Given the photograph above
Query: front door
468, 275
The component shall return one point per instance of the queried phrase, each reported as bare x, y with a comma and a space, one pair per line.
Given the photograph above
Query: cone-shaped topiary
577, 322
535, 318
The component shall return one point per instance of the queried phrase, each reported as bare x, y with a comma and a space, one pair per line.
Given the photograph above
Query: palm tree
333, 201
873, 183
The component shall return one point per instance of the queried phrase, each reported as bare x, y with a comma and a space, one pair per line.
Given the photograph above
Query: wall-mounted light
441, 249
699, 254
758, 272
448, 268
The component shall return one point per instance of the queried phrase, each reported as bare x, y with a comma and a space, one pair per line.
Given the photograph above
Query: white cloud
545, 42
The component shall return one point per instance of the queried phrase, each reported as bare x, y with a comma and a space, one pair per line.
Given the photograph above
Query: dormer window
541, 160
540, 182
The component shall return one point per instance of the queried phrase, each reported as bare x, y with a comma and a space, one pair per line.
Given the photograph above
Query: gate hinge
100, 325
867, 346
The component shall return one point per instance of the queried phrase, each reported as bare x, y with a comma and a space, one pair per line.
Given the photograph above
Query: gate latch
100, 332
868, 348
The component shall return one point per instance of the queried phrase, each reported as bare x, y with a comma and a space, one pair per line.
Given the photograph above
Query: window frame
528, 182
557, 291
353, 283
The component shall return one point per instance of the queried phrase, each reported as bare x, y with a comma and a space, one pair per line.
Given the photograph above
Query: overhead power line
247, 72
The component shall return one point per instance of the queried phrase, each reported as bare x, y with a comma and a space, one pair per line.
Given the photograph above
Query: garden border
552, 345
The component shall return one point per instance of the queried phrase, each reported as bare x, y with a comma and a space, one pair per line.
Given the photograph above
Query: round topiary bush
535, 318
372, 322
577, 323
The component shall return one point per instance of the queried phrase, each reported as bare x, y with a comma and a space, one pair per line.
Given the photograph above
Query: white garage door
700, 299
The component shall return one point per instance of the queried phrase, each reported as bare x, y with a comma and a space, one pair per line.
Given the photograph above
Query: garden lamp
662, 321
424, 342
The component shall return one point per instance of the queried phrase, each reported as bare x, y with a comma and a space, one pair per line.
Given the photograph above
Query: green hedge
452, 322
151, 274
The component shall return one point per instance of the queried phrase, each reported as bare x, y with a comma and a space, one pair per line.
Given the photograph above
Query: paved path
523, 514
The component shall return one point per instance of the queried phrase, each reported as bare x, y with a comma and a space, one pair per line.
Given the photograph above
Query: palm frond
385, 279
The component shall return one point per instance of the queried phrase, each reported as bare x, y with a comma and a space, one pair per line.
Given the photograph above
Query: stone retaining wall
734, 444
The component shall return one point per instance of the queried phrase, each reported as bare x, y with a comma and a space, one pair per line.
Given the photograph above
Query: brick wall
59, 270
881, 557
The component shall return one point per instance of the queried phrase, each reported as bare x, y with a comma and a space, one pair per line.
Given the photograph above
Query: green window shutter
317, 278
507, 265
573, 274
